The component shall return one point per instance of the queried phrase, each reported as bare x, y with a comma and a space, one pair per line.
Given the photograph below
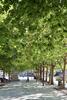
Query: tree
35, 30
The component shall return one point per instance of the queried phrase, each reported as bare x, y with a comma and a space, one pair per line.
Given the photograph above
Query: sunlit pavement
30, 91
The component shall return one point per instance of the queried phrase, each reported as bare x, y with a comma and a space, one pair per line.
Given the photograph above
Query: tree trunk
36, 74
3, 74
64, 72
43, 76
9, 76
27, 78
46, 73
51, 74
40, 73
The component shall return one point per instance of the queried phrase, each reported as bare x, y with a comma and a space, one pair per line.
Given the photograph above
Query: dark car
58, 73
2, 80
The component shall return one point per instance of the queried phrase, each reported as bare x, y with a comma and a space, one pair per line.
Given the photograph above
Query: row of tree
32, 33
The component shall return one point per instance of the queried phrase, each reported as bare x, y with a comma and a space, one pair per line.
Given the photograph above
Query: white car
26, 76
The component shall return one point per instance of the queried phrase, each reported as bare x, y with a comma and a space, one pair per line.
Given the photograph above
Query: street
30, 91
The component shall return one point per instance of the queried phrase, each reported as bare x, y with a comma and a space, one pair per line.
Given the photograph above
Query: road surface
30, 91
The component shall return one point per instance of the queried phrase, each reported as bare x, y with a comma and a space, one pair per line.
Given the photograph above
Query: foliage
33, 32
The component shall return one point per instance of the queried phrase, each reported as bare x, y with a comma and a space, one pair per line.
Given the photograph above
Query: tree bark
43, 75
3, 74
64, 72
51, 74
40, 73
9, 76
36, 75
46, 73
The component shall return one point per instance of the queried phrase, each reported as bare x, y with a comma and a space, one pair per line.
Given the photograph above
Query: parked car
58, 73
26, 76
59, 76
2, 80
